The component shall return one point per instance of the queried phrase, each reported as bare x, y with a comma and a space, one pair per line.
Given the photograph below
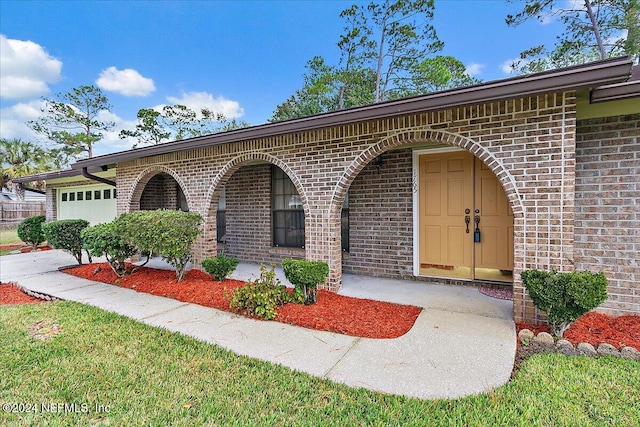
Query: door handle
467, 220
476, 232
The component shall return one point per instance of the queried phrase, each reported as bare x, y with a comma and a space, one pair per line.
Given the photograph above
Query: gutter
605, 72
86, 174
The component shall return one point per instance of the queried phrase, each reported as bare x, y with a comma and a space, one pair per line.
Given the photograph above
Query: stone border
39, 295
546, 341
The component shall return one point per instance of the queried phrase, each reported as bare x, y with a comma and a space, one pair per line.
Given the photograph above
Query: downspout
86, 174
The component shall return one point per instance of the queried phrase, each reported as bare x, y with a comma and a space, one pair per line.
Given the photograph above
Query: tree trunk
596, 30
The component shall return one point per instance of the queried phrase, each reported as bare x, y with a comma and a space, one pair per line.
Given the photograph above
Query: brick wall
381, 219
248, 217
607, 226
161, 192
528, 143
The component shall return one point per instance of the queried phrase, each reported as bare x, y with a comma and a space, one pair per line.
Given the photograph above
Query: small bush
30, 231
220, 267
105, 240
305, 276
165, 232
262, 297
65, 235
565, 296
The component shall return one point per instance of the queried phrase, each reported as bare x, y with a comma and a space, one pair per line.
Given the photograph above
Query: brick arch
416, 136
236, 163
143, 179
402, 138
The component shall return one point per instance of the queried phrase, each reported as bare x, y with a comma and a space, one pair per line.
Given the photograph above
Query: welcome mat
506, 294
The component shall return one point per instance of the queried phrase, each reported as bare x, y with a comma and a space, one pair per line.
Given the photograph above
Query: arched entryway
392, 164
158, 187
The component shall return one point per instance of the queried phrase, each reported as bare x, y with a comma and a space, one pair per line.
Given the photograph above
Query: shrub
65, 235
30, 231
262, 297
565, 296
164, 232
105, 240
305, 276
220, 267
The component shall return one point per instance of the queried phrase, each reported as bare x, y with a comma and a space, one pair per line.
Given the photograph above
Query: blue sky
240, 57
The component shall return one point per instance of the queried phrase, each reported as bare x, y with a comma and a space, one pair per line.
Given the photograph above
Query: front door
465, 221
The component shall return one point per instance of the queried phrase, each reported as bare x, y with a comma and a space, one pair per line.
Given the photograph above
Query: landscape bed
334, 313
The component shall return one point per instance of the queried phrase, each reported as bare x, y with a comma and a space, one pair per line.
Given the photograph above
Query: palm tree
21, 158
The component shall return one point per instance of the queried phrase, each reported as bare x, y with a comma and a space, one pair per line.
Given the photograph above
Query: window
344, 224
87, 195
64, 197
106, 194
97, 195
115, 195
72, 197
221, 218
287, 211
80, 195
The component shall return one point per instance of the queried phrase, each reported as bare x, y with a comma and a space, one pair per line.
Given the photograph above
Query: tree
177, 122
395, 35
598, 30
435, 74
21, 158
149, 129
72, 122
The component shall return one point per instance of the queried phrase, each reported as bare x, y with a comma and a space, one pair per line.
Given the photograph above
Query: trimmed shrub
305, 276
262, 297
565, 296
65, 235
30, 230
105, 240
220, 267
167, 233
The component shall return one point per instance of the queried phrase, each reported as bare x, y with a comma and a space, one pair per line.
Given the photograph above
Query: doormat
506, 294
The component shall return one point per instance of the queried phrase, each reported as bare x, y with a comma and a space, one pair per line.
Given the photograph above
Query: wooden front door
455, 191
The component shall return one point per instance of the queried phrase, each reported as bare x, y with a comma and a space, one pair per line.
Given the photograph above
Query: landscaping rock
565, 347
586, 349
605, 349
630, 353
525, 336
545, 339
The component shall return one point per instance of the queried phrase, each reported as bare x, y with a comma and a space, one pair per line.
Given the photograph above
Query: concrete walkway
462, 343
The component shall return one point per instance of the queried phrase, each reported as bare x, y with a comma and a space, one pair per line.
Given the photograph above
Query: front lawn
111, 370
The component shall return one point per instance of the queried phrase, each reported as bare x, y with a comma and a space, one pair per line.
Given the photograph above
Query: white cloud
474, 69
14, 119
26, 69
196, 101
127, 82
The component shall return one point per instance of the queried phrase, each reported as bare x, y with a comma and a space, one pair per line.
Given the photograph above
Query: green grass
9, 236
147, 375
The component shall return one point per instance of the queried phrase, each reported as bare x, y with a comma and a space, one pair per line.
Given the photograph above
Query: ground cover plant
128, 373
335, 313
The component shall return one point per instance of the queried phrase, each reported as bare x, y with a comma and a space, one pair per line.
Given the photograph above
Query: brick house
463, 186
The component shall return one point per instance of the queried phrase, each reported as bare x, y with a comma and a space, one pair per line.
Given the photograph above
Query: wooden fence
12, 213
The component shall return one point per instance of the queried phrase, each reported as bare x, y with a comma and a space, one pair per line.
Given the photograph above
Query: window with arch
287, 213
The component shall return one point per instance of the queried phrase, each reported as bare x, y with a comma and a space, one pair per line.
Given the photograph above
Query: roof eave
589, 75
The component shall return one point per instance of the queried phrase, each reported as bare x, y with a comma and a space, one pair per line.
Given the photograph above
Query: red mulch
29, 249
10, 295
596, 328
335, 313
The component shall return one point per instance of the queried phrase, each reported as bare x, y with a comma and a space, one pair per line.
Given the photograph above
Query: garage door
95, 203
